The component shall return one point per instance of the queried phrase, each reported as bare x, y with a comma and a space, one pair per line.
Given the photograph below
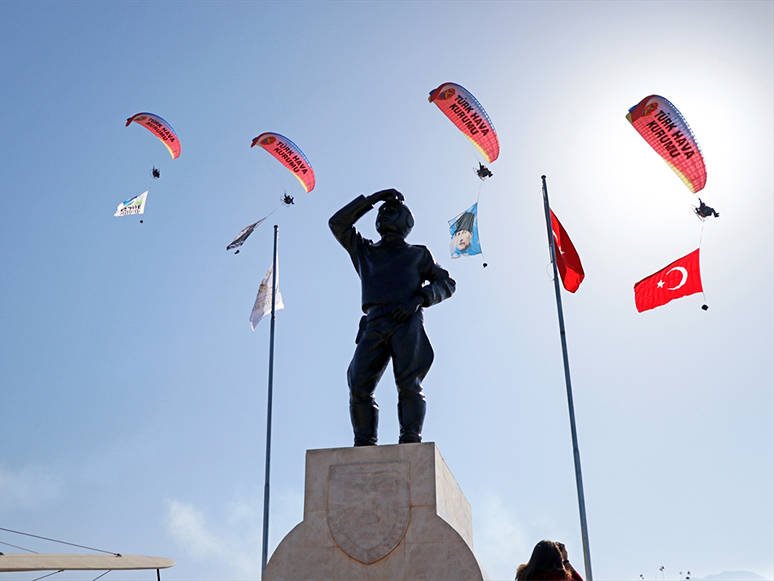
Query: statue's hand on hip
404, 311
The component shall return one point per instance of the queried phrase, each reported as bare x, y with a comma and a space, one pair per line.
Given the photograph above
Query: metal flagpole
265, 547
575, 450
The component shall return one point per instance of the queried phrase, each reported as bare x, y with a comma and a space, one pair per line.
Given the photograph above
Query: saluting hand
384, 195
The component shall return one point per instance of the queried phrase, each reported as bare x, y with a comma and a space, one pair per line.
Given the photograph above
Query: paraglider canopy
464, 110
666, 130
160, 129
289, 155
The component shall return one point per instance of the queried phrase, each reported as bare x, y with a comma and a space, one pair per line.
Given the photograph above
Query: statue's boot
411, 414
365, 420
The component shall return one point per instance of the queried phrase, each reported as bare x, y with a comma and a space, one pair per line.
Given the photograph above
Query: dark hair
545, 563
465, 222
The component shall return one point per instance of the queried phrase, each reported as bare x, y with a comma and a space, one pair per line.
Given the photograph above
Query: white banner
135, 205
262, 306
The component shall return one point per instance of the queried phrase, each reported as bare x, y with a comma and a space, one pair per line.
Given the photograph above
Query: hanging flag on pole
678, 279
242, 236
567, 259
553, 250
262, 306
464, 233
135, 205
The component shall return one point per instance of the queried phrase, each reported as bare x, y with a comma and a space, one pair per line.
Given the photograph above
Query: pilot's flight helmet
394, 217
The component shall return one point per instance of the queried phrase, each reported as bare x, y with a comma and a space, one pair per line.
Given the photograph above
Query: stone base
387, 513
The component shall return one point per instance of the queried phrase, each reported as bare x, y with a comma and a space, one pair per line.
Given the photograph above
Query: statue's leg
367, 366
411, 415
412, 357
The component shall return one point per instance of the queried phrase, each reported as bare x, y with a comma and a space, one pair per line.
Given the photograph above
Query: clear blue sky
133, 402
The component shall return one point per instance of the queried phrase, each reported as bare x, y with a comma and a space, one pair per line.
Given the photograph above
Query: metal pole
575, 450
265, 547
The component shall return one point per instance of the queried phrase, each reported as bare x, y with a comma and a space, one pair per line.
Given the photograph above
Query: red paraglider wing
288, 155
469, 116
160, 129
665, 129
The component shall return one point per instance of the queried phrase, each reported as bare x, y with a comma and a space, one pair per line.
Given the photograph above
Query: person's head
461, 240
394, 217
463, 231
545, 563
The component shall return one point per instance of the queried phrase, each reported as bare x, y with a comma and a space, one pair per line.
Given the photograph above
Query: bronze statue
393, 274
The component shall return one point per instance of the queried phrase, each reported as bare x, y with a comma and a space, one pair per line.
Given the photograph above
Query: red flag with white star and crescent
567, 260
678, 279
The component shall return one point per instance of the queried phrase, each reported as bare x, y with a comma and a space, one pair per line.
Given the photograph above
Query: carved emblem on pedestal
368, 508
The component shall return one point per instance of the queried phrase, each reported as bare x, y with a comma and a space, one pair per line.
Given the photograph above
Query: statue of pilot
398, 280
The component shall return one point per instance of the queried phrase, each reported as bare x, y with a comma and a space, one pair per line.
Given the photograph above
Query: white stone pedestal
387, 513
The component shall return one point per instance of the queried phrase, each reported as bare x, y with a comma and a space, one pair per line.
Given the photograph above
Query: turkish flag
679, 279
567, 260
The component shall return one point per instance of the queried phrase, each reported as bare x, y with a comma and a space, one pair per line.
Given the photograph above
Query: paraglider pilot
704, 211
398, 280
483, 172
